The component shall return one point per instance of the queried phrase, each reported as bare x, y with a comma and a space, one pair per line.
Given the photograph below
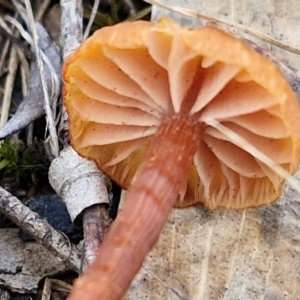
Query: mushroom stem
145, 211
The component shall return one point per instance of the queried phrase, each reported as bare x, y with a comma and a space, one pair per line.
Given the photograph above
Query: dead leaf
223, 254
23, 265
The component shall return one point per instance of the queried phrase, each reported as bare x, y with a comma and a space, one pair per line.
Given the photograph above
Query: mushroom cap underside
126, 78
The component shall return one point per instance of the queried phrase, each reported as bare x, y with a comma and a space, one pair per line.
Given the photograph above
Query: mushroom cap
122, 81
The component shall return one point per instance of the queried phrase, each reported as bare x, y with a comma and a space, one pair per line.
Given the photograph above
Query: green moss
27, 165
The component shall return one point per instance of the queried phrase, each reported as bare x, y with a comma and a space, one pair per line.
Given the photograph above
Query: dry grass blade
25, 72
54, 284
196, 14
245, 145
43, 7
54, 93
5, 50
12, 69
130, 6
91, 19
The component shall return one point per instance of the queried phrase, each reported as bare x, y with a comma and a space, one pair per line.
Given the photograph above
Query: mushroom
169, 113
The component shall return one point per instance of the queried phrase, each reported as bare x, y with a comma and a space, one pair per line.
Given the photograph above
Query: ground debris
23, 265
32, 106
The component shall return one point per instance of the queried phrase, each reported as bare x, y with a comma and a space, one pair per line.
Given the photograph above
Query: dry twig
40, 229
71, 28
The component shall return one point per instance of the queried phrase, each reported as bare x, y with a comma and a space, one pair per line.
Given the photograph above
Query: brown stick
96, 223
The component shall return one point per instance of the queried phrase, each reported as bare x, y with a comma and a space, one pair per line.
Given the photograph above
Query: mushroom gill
118, 90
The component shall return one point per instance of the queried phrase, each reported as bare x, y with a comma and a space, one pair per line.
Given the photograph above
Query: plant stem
146, 209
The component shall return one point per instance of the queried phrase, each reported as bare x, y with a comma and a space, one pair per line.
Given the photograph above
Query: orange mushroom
164, 111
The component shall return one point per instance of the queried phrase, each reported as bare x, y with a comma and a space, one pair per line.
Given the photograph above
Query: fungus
169, 113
